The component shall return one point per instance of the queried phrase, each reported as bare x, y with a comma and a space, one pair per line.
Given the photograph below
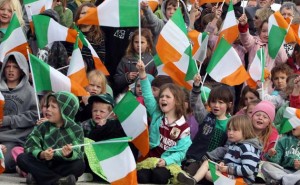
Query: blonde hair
96, 74
242, 123
15, 7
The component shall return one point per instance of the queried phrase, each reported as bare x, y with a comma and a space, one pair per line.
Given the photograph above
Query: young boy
44, 164
279, 75
284, 164
20, 111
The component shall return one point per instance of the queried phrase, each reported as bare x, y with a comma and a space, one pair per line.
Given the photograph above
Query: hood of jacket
22, 63
254, 142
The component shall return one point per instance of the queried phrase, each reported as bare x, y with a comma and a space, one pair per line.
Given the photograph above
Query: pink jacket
253, 43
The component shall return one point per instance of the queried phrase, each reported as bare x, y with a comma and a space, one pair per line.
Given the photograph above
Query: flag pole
98, 142
276, 141
34, 87
202, 84
61, 68
263, 76
243, 6
140, 34
222, 3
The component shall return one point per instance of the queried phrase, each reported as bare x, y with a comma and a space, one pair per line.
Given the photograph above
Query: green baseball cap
105, 98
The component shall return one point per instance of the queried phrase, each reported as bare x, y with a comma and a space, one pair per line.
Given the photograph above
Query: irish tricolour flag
2, 102
35, 7
133, 118
200, 41
46, 78
226, 66
48, 30
14, 39
277, 29
219, 179
76, 70
113, 13
291, 120
117, 161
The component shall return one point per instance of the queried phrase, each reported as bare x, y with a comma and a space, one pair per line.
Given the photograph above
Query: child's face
218, 108
12, 72
279, 80
53, 112
144, 44
234, 135
100, 111
5, 14
249, 110
296, 132
155, 91
170, 10
95, 86
260, 121
167, 101
265, 3
264, 33
287, 13
249, 96
138, 89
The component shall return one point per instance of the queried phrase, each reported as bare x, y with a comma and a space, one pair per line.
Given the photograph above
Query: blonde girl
240, 158
126, 72
169, 132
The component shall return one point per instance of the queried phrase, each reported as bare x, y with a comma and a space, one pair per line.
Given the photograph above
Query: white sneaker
85, 177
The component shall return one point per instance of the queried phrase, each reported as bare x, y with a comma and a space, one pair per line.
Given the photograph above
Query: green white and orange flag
277, 30
229, 28
117, 162
2, 103
97, 61
200, 41
47, 30
76, 70
219, 179
153, 4
174, 50
14, 39
2, 164
291, 120
35, 7
113, 13
46, 78
226, 66
133, 118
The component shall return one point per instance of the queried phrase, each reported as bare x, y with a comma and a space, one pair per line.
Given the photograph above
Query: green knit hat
68, 104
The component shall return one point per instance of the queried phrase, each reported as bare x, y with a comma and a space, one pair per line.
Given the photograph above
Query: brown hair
178, 97
253, 102
95, 34
99, 75
187, 100
223, 93
145, 33
283, 68
245, 90
242, 123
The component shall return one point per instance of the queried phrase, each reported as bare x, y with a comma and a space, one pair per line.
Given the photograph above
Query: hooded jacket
47, 135
156, 24
20, 110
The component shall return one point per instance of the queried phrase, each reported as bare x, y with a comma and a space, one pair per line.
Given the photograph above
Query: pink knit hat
266, 107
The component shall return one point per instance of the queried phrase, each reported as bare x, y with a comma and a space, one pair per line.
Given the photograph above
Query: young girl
97, 85
248, 95
212, 125
169, 132
250, 107
253, 43
7, 7
240, 158
262, 117
126, 72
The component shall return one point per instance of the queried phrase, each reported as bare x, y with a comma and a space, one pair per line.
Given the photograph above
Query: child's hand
296, 89
131, 76
243, 19
42, 120
161, 163
144, 4
67, 150
297, 164
3, 148
195, 12
85, 99
141, 68
218, 12
222, 167
47, 154
197, 80
272, 152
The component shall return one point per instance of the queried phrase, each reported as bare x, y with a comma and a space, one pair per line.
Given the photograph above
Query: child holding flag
240, 158
169, 132
41, 161
284, 160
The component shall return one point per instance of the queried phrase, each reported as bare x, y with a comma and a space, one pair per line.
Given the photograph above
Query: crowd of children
235, 127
